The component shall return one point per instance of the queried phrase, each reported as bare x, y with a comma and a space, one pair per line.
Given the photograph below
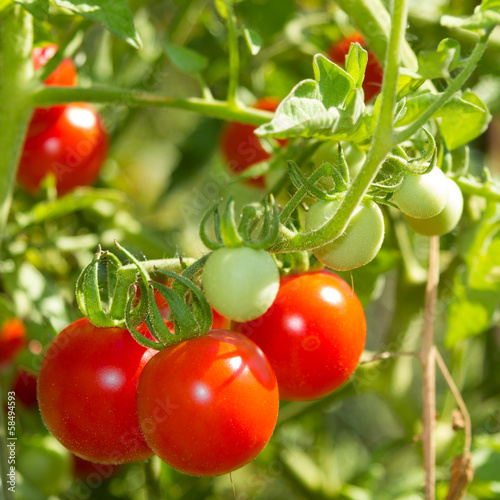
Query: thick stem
374, 22
381, 146
234, 58
153, 489
47, 96
427, 358
16, 70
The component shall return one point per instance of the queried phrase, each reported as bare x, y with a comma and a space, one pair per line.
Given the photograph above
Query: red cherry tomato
374, 72
313, 335
208, 405
241, 147
86, 392
73, 149
12, 339
25, 388
63, 76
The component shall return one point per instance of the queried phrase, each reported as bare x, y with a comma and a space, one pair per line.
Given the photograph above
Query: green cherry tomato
240, 283
444, 221
359, 243
422, 196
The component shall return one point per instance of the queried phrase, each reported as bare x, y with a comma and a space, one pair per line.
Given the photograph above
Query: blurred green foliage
165, 170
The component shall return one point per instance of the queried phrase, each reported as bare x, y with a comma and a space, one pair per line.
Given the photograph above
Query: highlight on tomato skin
313, 335
374, 73
86, 392
73, 149
241, 148
12, 340
63, 76
209, 405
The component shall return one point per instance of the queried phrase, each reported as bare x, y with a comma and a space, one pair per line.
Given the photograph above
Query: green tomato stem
456, 84
488, 190
234, 58
127, 275
16, 70
381, 146
374, 22
46, 96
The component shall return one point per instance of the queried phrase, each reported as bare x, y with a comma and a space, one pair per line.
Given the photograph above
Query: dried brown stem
427, 358
462, 471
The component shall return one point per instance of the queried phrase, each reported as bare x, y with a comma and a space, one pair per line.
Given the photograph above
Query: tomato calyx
232, 234
189, 311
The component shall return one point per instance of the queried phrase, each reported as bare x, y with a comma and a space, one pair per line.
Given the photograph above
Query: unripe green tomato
359, 243
45, 464
444, 221
329, 153
240, 283
422, 196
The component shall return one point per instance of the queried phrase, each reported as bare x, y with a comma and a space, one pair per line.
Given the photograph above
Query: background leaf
114, 14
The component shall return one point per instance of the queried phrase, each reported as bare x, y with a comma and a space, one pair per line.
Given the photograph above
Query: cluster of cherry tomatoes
67, 141
208, 405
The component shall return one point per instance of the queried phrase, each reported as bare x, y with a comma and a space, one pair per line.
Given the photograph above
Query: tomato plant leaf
185, 59
356, 62
463, 119
253, 39
114, 14
37, 8
329, 107
486, 16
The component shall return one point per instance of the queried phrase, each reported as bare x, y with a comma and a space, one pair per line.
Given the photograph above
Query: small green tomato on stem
359, 243
422, 196
446, 220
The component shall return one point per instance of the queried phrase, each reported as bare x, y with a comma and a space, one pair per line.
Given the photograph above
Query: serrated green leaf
37, 8
253, 39
450, 44
486, 16
408, 82
114, 14
463, 119
185, 59
356, 62
433, 65
329, 107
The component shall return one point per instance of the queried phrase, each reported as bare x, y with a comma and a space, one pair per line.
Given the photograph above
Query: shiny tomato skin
374, 72
241, 147
63, 76
313, 335
73, 149
86, 392
12, 339
208, 405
